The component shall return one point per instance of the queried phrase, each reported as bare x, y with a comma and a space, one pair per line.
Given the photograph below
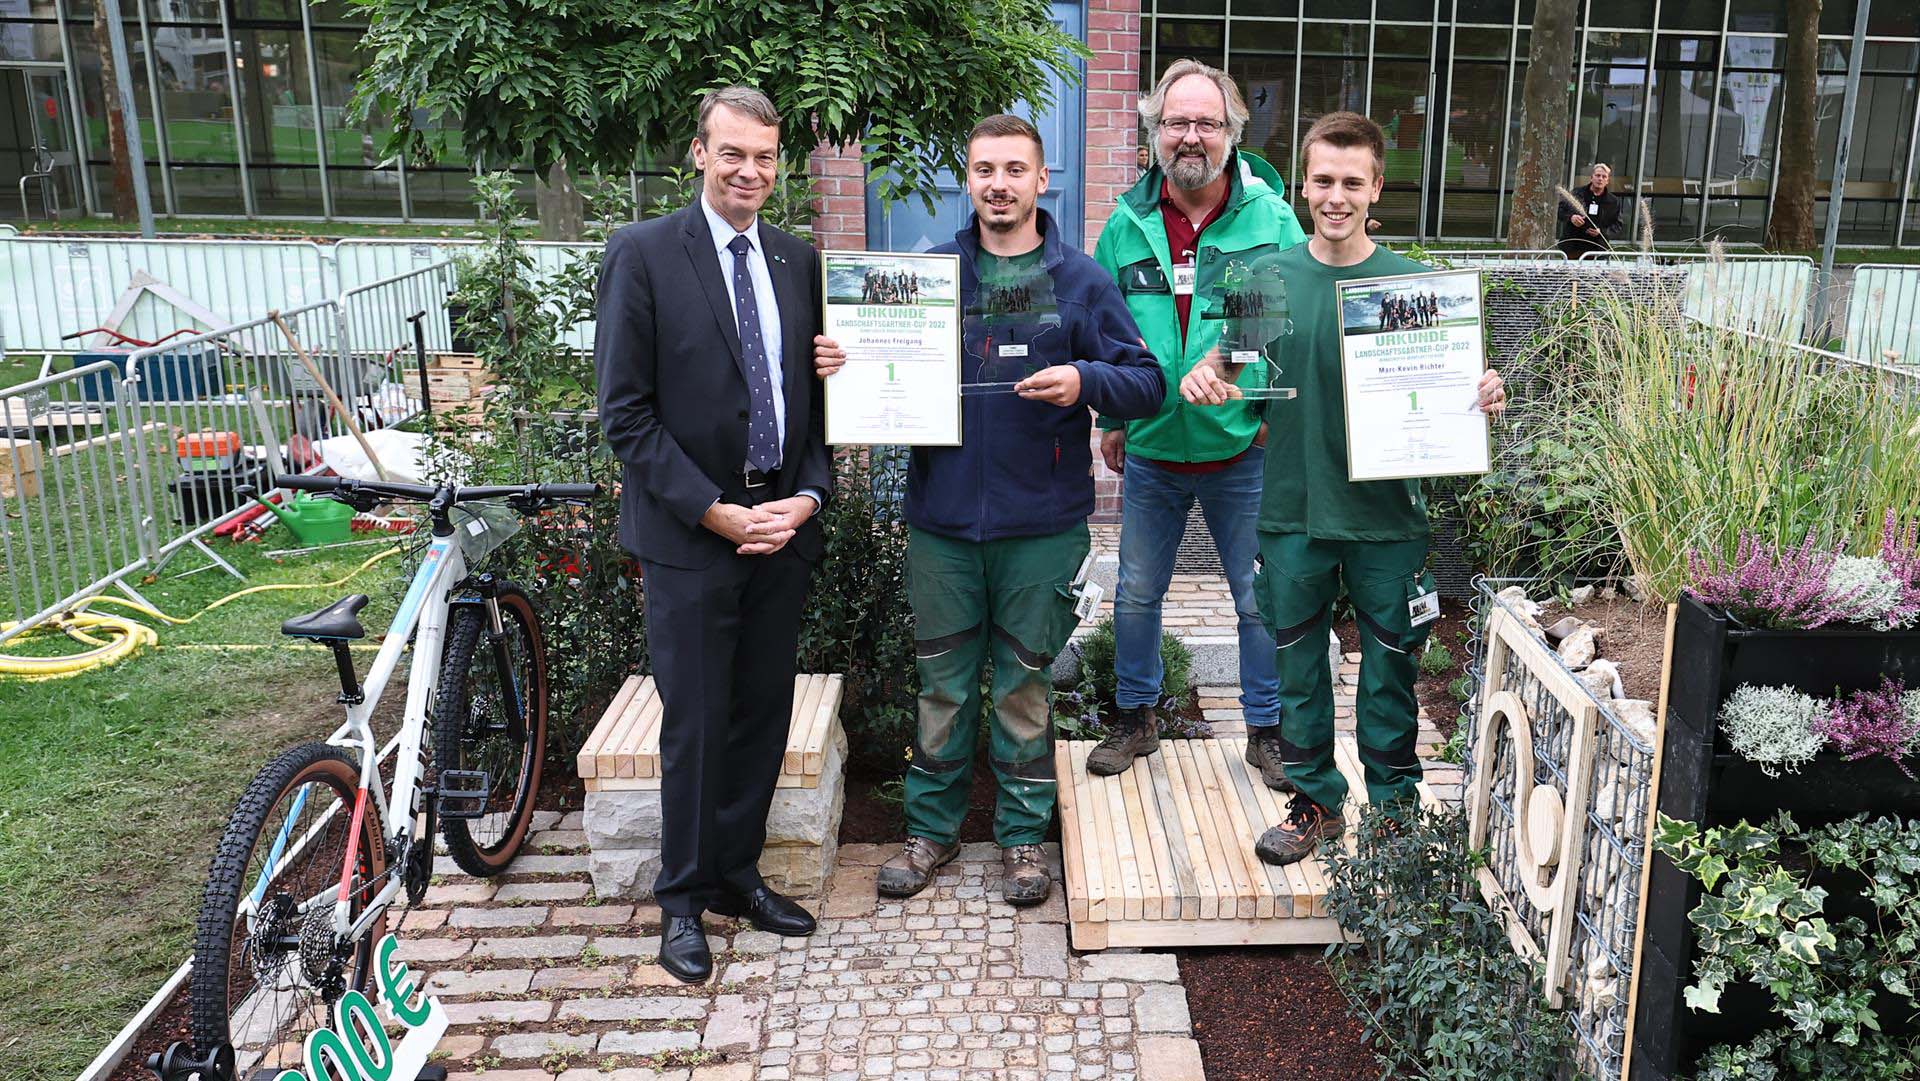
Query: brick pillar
840, 203
1113, 92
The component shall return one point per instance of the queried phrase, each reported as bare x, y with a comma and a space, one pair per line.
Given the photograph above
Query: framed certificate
897, 315
1412, 350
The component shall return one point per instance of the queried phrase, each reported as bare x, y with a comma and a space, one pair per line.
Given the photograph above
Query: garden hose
114, 638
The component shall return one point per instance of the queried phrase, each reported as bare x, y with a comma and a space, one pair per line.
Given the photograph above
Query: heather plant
1868, 723
1900, 552
1771, 587
1778, 728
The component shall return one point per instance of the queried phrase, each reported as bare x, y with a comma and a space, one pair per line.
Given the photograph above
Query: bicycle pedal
463, 793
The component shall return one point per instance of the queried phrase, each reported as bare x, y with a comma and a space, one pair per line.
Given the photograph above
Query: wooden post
1646, 861
19, 468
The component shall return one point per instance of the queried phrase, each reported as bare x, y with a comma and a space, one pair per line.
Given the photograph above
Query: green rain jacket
1133, 248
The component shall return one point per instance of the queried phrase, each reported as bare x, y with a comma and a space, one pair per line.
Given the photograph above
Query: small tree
1543, 125
594, 85
1790, 225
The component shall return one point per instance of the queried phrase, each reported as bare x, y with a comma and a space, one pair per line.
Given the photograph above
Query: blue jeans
1154, 504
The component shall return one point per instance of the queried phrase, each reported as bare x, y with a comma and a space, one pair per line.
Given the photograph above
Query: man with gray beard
1207, 206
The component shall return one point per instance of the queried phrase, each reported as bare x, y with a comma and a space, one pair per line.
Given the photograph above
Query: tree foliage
595, 84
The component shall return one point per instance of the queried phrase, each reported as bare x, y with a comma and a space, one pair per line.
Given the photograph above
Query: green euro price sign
1413, 401
891, 378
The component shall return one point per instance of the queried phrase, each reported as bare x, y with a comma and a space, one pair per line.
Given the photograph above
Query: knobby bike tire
468, 679
218, 974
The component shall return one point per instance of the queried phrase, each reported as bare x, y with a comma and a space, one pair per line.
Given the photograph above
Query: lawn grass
115, 785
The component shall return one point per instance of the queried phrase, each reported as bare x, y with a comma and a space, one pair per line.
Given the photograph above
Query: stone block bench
620, 763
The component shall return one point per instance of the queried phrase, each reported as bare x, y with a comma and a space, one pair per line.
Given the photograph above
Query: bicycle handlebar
424, 493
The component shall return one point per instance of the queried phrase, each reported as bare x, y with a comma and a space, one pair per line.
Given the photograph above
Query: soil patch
870, 819
1435, 692
1632, 635
1266, 1013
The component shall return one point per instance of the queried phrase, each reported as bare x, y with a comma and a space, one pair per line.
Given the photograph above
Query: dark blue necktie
763, 432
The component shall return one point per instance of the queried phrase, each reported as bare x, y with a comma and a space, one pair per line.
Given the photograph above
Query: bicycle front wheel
491, 717
266, 965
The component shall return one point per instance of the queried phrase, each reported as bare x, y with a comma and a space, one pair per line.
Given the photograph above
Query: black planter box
1702, 780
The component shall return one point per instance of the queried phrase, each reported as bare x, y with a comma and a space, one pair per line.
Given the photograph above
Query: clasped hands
761, 530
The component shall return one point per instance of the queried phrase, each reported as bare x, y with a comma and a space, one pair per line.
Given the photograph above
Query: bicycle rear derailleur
177, 1063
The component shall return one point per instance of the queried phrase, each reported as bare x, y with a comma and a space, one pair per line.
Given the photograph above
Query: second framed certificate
897, 315
1412, 350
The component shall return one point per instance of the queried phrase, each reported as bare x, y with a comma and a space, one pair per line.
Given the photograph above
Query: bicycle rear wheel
266, 968
474, 730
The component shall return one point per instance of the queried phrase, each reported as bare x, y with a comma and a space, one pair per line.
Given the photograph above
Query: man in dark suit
706, 325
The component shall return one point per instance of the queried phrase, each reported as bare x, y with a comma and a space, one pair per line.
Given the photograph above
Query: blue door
907, 226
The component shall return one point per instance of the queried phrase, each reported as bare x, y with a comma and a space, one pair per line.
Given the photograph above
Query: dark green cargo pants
1298, 580
1008, 600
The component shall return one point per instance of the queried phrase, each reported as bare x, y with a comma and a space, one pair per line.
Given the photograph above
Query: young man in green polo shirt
1319, 530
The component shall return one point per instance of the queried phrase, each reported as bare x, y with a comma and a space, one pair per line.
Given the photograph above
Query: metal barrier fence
70, 448
1599, 770
1768, 294
1466, 257
1883, 314
391, 327
358, 262
50, 288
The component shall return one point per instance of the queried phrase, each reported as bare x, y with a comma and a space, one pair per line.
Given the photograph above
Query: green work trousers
1296, 583
1007, 600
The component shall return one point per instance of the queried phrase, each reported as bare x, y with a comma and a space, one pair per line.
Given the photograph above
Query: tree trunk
563, 213
1790, 225
1541, 162
125, 208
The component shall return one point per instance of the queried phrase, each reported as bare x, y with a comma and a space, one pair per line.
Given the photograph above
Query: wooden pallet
1162, 855
623, 751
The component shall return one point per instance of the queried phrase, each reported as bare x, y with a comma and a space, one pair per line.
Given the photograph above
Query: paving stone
579, 978
526, 916
1043, 950
650, 1008
421, 919
431, 950
458, 893
541, 1044
592, 915
734, 1025
619, 946
501, 1075
647, 1043
740, 972
1164, 1058
455, 1048
517, 1010
537, 864
851, 893
493, 982
535, 946
1138, 967
543, 891
732, 1071
1163, 1008
757, 942
569, 840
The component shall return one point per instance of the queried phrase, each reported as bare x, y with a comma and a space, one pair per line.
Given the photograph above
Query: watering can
312, 520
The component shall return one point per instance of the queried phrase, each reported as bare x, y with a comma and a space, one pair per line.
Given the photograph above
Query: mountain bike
319, 846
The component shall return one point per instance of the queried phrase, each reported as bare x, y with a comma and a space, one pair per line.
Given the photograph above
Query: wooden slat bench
1162, 855
623, 751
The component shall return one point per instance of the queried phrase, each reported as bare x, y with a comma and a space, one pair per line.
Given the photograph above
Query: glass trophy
1006, 328
1251, 307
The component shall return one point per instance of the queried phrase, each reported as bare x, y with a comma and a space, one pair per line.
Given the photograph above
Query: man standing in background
1205, 205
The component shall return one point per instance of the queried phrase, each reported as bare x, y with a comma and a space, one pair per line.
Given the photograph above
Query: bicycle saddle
337, 620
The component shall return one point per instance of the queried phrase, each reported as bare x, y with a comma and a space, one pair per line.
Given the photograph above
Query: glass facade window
1683, 98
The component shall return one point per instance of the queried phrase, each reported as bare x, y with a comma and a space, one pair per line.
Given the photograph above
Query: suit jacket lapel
706, 270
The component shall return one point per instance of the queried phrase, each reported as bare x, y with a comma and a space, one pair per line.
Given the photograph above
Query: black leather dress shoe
767, 911
683, 950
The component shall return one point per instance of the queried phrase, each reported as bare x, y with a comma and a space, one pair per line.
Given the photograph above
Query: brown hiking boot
909, 872
1306, 825
1136, 731
1024, 878
1263, 754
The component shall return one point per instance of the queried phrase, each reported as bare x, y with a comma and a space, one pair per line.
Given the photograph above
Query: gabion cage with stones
1615, 781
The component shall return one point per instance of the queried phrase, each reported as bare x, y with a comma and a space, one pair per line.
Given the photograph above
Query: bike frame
422, 616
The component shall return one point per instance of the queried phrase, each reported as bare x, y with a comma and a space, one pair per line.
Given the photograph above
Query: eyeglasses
1179, 126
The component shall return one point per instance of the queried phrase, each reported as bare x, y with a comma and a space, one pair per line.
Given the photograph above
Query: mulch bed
1632, 635
1271, 1013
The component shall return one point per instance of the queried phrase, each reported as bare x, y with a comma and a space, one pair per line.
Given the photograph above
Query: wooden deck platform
623, 750
1162, 855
